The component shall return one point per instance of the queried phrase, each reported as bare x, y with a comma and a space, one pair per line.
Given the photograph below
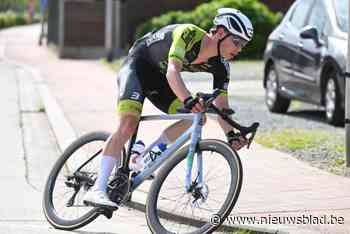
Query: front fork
194, 148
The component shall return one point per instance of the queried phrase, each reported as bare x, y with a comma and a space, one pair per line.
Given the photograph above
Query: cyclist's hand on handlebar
199, 107
194, 104
236, 140
238, 144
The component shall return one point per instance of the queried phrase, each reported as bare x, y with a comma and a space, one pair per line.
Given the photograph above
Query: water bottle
154, 153
136, 162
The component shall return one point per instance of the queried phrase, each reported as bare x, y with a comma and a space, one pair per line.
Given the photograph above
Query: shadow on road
314, 115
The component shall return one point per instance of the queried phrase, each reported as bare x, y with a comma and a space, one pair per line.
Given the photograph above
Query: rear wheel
332, 98
72, 175
274, 101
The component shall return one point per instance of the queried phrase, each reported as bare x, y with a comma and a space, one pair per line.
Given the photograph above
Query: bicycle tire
48, 206
153, 219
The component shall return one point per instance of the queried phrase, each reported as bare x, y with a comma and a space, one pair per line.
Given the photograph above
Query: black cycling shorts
138, 79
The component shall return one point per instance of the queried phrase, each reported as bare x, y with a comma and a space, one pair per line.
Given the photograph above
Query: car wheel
332, 98
274, 101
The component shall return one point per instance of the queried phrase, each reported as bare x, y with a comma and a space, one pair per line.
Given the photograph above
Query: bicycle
197, 192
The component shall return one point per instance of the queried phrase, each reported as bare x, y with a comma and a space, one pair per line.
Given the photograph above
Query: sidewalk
274, 184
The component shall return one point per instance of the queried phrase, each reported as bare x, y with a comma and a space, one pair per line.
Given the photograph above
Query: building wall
84, 23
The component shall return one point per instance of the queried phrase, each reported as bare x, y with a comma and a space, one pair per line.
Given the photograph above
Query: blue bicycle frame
194, 133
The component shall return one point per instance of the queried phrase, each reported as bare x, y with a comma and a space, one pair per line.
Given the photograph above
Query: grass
322, 148
295, 105
292, 139
42, 109
298, 139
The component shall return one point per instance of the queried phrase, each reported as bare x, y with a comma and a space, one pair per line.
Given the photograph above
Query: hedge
263, 20
9, 18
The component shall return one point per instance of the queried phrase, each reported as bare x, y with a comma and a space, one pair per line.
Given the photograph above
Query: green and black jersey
144, 70
182, 42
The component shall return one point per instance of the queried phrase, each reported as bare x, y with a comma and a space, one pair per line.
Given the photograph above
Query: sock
107, 165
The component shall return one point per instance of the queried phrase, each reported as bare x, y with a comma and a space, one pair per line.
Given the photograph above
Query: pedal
107, 212
102, 207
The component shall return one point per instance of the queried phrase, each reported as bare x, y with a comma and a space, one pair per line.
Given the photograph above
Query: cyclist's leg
127, 122
129, 108
165, 99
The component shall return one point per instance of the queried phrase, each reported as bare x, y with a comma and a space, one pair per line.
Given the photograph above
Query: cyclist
152, 69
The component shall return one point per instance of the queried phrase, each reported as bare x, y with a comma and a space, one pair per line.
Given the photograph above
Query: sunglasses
240, 43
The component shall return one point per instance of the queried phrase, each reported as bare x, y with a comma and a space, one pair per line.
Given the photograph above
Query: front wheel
216, 197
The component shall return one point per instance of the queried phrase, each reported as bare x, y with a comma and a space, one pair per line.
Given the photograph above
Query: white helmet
235, 22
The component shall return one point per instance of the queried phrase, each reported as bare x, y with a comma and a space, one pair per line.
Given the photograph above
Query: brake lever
250, 140
255, 127
243, 130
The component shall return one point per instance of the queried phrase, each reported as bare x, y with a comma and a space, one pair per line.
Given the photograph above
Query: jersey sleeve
184, 37
222, 77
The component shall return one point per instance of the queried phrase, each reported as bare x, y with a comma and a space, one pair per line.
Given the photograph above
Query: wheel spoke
219, 179
80, 152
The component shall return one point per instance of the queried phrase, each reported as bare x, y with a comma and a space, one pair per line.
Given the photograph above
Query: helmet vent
242, 24
234, 25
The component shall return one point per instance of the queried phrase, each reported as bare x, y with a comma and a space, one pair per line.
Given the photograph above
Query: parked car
306, 57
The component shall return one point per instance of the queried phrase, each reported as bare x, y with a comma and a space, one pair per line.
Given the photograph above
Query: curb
139, 201
65, 134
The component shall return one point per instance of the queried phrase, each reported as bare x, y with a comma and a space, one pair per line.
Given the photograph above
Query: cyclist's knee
127, 124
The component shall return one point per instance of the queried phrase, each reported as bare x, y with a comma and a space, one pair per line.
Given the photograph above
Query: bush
9, 18
263, 20
15, 5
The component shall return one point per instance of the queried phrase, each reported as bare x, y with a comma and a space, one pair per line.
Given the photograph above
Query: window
318, 18
342, 9
299, 14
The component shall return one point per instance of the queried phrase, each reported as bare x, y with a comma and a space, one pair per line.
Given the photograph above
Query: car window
326, 30
300, 13
318, 18
342, 9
